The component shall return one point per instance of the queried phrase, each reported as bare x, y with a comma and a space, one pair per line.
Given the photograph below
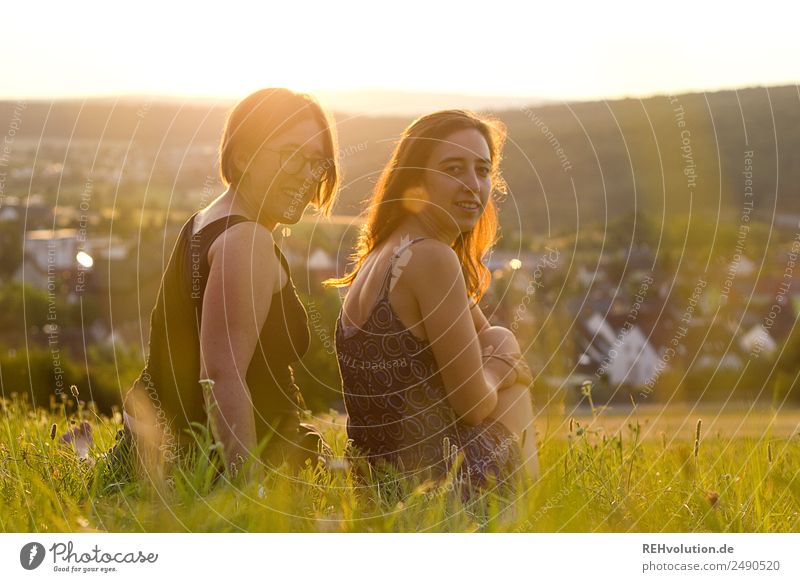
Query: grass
630, 478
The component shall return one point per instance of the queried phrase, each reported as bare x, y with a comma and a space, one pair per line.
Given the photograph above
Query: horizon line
538, 100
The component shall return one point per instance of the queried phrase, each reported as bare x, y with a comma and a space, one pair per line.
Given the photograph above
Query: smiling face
272, 188
457, 182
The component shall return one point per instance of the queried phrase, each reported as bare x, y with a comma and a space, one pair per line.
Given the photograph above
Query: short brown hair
266, 113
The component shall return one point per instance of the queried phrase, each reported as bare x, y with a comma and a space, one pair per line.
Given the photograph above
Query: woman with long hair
427, 382
228, 323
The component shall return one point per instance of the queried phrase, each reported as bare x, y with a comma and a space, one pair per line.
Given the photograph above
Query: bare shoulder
432, 265
429, 254
245, 239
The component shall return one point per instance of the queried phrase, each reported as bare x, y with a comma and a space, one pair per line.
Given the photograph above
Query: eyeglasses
293, 162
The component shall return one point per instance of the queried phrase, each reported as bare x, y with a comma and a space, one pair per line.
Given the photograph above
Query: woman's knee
500, 338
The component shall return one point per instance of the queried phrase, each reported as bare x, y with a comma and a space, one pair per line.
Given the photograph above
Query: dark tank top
172, 372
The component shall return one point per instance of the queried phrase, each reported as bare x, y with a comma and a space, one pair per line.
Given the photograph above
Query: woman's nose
470, 182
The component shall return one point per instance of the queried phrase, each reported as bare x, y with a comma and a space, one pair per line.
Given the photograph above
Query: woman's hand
507, 369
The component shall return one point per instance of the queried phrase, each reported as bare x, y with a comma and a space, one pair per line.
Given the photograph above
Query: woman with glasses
228, 323
429, 385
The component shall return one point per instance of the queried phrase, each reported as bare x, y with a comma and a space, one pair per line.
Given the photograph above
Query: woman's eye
455, 169
484, 171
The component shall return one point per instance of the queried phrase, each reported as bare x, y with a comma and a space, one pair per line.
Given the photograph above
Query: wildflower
53, 431
586, 388
74, 390
713, 497
697, 437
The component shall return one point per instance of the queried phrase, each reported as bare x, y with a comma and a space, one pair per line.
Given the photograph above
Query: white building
624, 356
757, 339
51, 248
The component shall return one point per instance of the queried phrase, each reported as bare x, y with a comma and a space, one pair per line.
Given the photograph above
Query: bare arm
243, 271
438, 284
478, 318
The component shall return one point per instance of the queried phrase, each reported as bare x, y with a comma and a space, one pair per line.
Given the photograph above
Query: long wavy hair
386, 209
266, 113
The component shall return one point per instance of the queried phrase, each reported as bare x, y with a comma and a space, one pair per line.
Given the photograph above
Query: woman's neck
235, 202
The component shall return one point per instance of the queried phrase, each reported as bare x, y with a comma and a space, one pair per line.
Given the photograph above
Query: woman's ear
240, 160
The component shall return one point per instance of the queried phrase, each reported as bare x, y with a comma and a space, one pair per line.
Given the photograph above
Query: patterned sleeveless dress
397, 407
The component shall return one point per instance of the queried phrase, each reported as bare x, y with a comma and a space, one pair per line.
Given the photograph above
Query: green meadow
635, 470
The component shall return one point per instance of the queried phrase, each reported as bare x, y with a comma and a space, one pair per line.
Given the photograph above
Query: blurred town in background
648, 246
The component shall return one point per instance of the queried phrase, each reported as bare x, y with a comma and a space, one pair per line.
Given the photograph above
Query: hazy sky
556, 50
